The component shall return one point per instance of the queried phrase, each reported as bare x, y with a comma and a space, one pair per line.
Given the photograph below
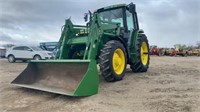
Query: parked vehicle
2, 52
154, 50
49, 46
179, 50
25, 53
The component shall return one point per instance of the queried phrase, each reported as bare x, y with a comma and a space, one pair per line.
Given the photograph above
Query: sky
165, 22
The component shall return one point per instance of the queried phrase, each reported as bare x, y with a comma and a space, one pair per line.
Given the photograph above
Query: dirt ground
172, 84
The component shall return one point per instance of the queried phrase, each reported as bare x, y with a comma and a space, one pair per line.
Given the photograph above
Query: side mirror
141, 31
132, 7
86, 17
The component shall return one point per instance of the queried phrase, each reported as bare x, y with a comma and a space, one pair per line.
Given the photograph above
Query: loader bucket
67, 77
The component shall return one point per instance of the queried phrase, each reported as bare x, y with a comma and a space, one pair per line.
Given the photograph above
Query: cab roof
110, 7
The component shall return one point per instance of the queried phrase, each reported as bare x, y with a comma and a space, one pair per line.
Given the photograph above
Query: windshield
115, 15
37, 49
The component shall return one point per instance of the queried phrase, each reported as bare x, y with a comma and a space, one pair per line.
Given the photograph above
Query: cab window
115, 15
129, 17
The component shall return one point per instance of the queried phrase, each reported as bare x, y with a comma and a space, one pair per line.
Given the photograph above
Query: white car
25, 53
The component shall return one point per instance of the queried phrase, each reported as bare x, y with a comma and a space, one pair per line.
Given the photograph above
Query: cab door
132, 28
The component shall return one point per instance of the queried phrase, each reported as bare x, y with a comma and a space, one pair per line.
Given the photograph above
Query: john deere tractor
111, 38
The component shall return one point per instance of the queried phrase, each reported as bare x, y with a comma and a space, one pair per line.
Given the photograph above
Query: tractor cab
122, 14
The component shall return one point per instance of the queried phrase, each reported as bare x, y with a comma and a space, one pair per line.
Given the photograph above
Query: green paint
90, 83
62, 60
77, 40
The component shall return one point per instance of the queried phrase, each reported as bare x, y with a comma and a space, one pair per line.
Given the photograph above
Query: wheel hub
144, 53
118, 61
11, 58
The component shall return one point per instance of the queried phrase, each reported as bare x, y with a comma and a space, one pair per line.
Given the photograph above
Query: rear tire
113, 61
142, 54
11, 58
37, 57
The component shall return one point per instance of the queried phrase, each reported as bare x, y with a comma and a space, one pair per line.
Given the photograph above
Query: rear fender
132, 46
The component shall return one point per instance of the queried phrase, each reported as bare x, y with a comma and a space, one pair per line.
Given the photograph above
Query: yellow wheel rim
144, 53
118, 61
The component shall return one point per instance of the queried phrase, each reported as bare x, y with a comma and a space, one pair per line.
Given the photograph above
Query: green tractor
111, 38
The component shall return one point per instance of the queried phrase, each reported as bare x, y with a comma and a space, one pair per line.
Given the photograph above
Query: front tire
11, 58
142, 54
37, 57
113, 61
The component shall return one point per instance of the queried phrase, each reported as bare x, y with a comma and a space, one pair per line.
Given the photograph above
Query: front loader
111, 38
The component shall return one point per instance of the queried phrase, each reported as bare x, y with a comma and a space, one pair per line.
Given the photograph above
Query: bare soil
172, 84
